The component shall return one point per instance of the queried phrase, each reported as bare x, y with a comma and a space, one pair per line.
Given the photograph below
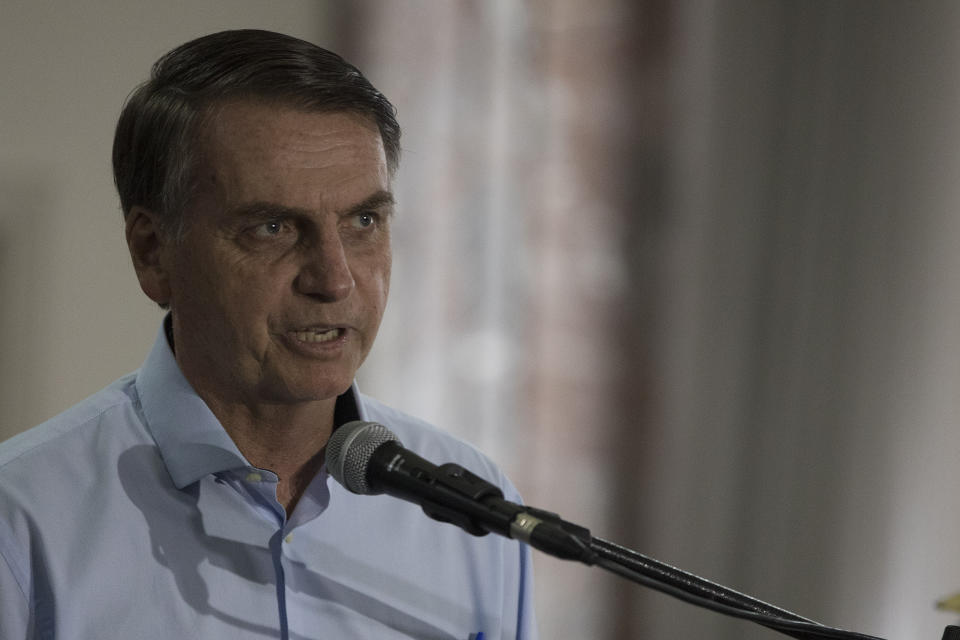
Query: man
191, 499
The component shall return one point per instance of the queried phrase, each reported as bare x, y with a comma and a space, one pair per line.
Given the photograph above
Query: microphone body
448, 493
368, 459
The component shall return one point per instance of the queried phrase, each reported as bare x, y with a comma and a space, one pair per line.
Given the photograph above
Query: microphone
368, 459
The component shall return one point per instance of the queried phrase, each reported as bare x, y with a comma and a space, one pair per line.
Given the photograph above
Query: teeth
316, 336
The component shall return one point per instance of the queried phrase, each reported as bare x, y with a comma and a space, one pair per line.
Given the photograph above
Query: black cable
686, 581
704, 593
803, 630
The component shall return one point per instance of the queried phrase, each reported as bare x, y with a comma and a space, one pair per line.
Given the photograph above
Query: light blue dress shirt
133, 515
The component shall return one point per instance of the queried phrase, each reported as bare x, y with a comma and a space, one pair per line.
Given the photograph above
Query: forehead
260, 151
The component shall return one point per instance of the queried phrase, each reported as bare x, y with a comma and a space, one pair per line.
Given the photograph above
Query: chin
306, 382
311, 391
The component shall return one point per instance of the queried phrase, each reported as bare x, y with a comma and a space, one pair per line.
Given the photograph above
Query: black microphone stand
457, 496
553, 535
704, 593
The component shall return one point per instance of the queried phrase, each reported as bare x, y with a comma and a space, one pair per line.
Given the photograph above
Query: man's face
279, 282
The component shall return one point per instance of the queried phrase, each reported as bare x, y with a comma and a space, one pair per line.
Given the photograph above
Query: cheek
383, 282
386, 265
191, 284
254, 296
373, 287
228, 293
371, 268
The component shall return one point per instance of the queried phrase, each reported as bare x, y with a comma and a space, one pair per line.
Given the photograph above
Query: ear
147, 245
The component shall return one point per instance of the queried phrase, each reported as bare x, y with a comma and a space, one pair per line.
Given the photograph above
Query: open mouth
318, 335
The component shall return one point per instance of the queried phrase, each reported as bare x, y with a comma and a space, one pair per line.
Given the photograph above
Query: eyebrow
268, 210
378, 200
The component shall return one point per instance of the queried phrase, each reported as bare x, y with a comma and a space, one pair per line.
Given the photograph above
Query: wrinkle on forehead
316, 148
307, 144
344, 147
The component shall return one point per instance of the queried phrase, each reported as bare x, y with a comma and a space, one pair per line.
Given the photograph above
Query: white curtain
688, 271
502, 324
809, 341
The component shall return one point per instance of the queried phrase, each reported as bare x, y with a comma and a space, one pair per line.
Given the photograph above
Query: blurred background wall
687, 270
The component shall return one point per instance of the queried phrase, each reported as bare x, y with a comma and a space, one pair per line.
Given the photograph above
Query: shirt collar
191, 440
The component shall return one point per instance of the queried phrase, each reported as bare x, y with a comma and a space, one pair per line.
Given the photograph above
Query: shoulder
436, 445
60, 435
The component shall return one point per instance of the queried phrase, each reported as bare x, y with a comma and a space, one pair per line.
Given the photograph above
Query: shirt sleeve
14, 605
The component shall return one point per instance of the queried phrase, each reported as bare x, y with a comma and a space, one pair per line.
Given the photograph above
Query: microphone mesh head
349, 451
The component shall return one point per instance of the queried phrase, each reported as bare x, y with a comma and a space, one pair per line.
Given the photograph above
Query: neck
287, 440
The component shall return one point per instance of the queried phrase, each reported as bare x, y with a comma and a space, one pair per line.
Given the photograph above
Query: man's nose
325, 273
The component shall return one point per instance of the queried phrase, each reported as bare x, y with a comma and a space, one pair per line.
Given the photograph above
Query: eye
365, 220
268, 229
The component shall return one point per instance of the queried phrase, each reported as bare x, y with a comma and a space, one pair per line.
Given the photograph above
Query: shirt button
289, 538
253, 476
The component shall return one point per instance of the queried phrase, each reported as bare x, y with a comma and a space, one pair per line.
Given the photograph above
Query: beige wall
72, 317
